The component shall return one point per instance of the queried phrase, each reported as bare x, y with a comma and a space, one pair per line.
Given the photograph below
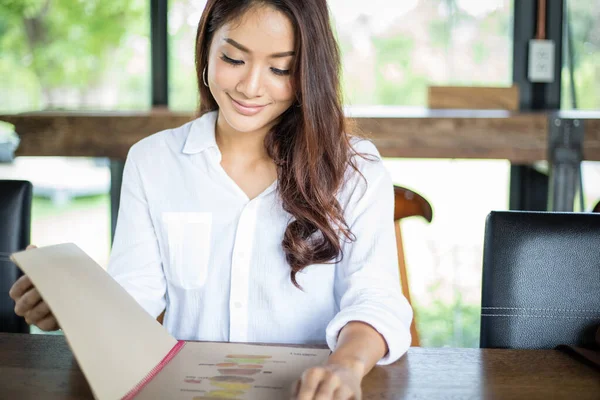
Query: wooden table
42, 367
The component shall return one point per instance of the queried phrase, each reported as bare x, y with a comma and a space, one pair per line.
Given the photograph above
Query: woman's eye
231, 60
276, 71
281, 72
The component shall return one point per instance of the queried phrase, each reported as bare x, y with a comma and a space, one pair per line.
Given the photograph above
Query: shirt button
238, 304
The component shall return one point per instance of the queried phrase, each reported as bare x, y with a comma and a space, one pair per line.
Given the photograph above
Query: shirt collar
202, 134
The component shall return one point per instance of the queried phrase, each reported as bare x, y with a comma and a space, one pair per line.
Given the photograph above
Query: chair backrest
408, 204
541, 280
15, 225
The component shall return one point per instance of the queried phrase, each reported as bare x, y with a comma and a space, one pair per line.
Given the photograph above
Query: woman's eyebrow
246, 50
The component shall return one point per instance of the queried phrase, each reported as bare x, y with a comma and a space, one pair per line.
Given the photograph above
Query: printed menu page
207, 371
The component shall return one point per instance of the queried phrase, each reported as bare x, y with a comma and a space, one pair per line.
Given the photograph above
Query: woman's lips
246, 109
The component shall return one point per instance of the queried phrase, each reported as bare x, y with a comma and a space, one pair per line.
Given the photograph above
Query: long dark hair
309, 144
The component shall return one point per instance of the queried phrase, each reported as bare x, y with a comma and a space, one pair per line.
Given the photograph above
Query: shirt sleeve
367, 283
135, 261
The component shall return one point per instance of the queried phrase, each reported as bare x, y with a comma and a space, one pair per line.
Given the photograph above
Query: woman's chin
244, 123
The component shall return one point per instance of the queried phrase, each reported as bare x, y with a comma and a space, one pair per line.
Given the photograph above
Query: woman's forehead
261, 30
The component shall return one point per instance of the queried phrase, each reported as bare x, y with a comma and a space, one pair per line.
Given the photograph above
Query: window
584, 37
391, 53
581, 57
391, 50
183, 19
91, 54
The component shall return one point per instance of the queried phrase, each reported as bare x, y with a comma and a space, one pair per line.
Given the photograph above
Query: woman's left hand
329, 382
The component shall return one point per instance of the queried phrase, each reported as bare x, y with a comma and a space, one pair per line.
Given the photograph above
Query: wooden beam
88, 135
473, 97
518, 137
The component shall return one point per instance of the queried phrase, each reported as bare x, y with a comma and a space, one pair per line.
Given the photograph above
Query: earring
204, 77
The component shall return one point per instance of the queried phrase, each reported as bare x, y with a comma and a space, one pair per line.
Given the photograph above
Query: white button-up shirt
188, 239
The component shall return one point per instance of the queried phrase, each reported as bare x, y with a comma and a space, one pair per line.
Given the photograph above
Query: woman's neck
242, 146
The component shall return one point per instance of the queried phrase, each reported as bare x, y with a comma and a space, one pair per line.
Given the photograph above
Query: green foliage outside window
448, 323
53, 46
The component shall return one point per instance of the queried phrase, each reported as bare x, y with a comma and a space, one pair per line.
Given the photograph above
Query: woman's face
249, 69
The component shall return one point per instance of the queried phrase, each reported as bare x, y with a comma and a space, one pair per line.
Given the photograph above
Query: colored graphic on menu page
234, 379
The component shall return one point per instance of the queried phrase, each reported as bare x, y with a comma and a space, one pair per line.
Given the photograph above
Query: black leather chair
541, 280
15, 226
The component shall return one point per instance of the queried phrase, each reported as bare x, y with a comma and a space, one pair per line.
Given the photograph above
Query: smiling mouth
246, 109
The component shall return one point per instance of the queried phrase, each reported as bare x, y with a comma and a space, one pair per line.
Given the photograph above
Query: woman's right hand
29, 304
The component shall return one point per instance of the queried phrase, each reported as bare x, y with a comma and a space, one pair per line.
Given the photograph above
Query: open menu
124, 353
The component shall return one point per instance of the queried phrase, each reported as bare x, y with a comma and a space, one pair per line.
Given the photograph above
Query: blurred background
95, 56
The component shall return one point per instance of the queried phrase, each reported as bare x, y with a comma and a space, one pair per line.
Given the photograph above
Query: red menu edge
137, 388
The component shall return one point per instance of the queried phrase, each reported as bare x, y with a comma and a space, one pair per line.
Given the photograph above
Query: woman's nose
251, 83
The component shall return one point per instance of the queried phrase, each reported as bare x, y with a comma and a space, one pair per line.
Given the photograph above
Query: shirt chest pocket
188, 247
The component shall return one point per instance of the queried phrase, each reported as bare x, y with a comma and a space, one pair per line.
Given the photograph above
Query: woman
262, 220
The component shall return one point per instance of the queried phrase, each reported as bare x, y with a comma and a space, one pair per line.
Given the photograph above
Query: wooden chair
408, 204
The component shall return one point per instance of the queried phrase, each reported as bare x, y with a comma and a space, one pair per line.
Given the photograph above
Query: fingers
20, 287
311, 378
327, 383
49, 323
26, 303
344, 393
295, 389
37, 313
330, 382
29, 303
22, 284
